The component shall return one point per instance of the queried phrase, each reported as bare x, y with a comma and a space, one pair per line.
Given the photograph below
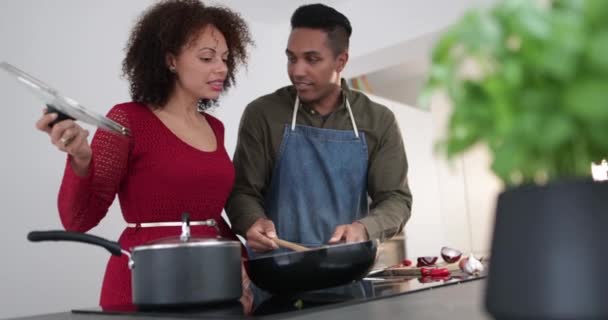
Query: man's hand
260, 235
353, 232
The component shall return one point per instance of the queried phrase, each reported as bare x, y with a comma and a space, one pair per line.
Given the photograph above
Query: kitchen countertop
454, 299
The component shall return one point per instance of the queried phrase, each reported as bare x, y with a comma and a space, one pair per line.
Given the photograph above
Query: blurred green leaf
478, 33
539, 95
595, 12
588, 100
598, 51
507, 158
557, 130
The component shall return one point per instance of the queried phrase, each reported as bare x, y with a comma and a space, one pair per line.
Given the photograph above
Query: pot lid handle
185, 236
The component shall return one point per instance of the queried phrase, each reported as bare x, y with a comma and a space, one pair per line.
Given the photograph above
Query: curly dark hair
165, 28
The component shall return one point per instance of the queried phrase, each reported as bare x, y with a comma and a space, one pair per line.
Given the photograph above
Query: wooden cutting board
415, 271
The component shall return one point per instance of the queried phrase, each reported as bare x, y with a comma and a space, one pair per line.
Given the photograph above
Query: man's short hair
328, 19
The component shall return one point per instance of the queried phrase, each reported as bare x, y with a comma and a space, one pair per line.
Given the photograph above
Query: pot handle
56, 235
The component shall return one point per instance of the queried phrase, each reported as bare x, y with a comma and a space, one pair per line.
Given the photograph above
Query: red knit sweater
157, 177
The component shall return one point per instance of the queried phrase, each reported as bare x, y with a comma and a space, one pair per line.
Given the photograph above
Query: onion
426, 261
450, 255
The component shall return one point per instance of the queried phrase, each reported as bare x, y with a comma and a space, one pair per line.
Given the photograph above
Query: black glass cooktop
256, 303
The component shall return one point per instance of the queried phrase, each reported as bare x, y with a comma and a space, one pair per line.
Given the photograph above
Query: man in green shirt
309, 155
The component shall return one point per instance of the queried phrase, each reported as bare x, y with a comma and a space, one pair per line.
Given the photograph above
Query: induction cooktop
256, 303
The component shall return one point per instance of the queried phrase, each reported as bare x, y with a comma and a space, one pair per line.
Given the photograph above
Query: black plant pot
549, 257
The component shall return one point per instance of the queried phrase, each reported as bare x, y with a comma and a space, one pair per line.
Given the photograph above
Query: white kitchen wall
77, 46
468, 189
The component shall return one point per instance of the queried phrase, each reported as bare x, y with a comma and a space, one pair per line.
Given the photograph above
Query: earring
172, 69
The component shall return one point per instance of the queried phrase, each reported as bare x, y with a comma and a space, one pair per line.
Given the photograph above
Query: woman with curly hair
180, 57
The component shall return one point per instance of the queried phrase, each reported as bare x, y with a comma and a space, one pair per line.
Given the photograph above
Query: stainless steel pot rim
210, 243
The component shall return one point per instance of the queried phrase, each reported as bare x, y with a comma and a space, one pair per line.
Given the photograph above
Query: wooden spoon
290, 245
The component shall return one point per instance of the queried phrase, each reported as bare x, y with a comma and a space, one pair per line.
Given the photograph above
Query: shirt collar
346, 93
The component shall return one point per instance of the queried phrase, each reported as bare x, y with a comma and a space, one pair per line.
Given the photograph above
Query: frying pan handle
56, 235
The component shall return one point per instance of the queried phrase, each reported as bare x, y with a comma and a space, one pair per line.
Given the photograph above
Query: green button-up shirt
261, 133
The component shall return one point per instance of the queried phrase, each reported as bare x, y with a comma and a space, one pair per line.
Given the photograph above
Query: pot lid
62, 104
177, 242
185, 239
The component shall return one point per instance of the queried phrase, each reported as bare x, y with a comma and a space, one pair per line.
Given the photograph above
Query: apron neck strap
295, 112
350, 113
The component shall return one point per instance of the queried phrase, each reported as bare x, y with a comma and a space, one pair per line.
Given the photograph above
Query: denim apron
319, 181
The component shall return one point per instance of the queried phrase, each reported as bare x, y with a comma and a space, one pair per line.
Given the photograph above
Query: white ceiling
402, 80
272, 11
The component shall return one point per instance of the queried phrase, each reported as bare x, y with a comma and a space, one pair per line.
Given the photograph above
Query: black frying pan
315, 269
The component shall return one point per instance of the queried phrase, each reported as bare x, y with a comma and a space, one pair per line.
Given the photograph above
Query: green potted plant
529, 80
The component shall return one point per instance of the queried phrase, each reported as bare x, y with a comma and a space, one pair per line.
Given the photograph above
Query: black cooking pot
176, 271
318, 268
